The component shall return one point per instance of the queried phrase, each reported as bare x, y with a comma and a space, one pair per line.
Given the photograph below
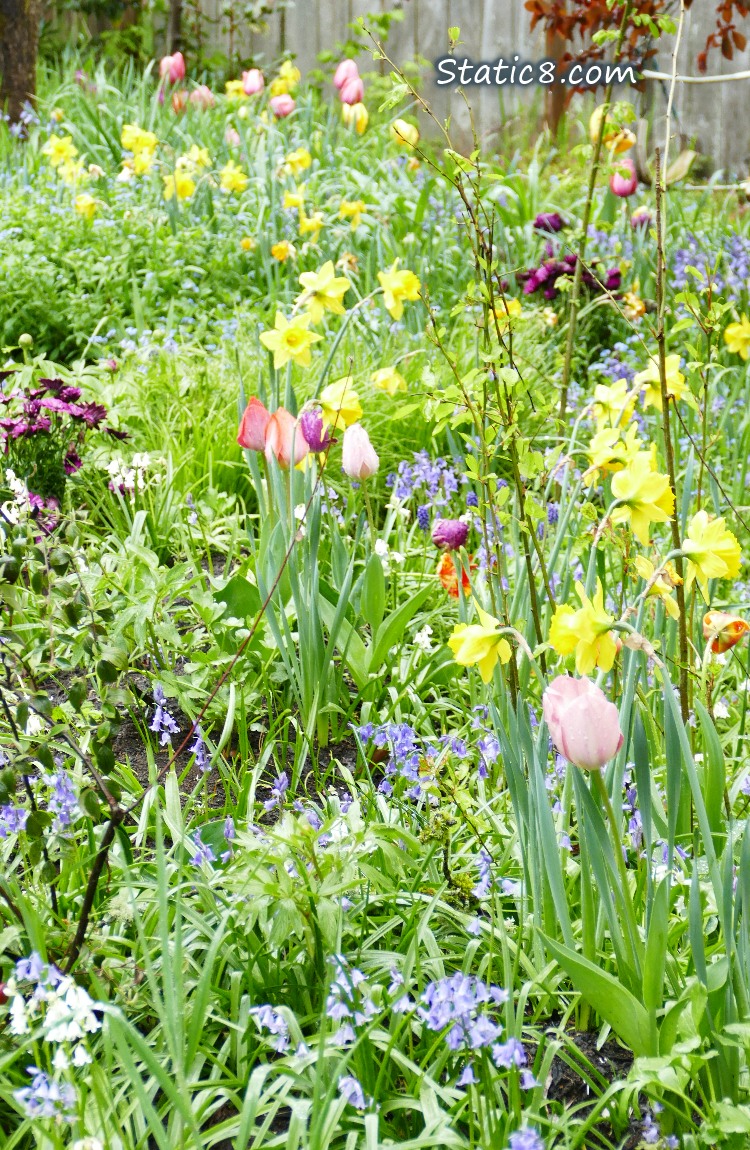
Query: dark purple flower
311, 425
72, 462
549, 222
450, 534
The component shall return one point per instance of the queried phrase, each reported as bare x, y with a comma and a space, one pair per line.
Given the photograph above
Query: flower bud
450, 534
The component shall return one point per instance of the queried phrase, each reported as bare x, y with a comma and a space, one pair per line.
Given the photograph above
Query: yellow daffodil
340, 403
290, 74
352, 210
676, 386
398, 286
278, 87
295, 199
197, 158
737, 337
324, 291
610, 451
614, 404
644, 496
72, 172
86, 206
712, 551
586, 631
297, 161
181, 185
59, 150
355, 116
283, 251
232, 178
388, 379
634, 307
405, 134
663, 585
480, 645
135, 139
235, 90
311, 225
142, 162
248, 244
506, 311
290, 340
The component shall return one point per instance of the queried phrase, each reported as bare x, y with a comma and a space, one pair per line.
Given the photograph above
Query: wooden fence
715, 115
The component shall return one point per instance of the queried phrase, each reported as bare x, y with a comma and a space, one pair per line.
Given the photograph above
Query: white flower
71, 1016
87, 1144
721, 710
422, 638
381, 549
19, 1022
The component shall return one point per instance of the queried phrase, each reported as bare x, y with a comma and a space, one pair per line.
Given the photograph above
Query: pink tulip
282, 106
202, 97
358, 457
284, 437
353, 91
253, 82
620, 184
253, 427
347, 70
584, 725
172, 68
232, 137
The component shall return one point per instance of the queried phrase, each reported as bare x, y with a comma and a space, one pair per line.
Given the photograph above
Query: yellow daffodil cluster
287, 80
61, 153
142, 145
232, 178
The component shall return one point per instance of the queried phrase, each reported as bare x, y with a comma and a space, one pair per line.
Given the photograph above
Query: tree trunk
174, 27
555, 95
19, 41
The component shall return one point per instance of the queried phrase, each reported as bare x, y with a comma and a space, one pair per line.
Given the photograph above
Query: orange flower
723, 629
448, 575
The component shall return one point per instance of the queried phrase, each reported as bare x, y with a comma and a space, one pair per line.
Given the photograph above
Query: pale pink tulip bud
358, 458
202, 97
623, 181
450, 534
253, 82
172, 68
282, 105
353, 91
232, 137
346, 70
253, 427
584, 725
284, 439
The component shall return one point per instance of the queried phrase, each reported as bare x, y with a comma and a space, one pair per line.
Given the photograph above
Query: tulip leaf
714, 778
373, 594
347, 641
609, 998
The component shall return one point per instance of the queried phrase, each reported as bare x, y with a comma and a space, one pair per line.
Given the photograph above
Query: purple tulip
450, 534
317, 436
549, 222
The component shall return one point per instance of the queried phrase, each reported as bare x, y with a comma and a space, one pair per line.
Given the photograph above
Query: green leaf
393, 629
240, 598
656, 949
373, 594
714, 779
609, 998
